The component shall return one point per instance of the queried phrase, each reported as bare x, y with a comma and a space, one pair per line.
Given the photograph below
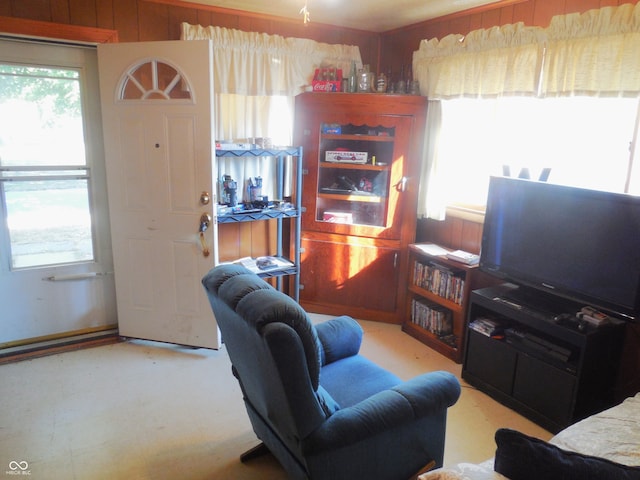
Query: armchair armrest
425, 395
339, 337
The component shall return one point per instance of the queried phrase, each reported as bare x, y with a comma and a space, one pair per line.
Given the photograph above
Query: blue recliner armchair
323, 410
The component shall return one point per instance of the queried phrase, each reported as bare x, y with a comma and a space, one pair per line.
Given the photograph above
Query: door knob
205, 198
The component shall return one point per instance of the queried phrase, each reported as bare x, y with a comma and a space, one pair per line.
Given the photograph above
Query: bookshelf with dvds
437, 299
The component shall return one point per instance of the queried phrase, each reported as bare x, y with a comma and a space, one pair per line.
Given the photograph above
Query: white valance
251, 63
498, 61
594, 53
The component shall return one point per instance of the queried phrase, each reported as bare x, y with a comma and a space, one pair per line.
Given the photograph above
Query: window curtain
595, 53
256, 79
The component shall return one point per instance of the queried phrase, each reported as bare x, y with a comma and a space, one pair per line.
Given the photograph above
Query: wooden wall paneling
246, 239
244, 23
177, 15
228, 241
259, 24
61, 12
104, 13
453, 232
491, 18
456, 232
32, 9
523, 12
81, 12
545, 9
205, 18
506, 15
5, 9
581, 5
471, 238
125, 15
462, 25
153, 22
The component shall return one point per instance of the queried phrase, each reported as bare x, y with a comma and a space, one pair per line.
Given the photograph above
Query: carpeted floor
145, 410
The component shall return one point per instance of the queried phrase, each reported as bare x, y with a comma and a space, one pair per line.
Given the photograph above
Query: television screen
576, 243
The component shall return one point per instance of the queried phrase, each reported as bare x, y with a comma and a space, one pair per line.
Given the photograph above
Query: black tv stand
544, 365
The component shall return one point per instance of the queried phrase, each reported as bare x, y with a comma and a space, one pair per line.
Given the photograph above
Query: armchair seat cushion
354, 379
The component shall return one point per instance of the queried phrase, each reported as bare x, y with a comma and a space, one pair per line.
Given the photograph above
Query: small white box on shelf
342, 156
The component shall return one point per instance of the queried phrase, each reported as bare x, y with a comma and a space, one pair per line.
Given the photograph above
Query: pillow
520, 457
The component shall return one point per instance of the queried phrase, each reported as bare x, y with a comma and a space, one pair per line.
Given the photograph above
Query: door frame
56, 31
39, 30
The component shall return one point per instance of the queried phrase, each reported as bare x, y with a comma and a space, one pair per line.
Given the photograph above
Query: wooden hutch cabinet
360, 185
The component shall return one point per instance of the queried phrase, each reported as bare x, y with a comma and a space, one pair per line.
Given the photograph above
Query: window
585, 141
44, 176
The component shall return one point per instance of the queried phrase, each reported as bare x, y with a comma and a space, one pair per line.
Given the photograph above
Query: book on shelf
432, 317
440, 280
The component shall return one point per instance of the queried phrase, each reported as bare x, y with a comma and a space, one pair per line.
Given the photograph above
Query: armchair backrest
274, 350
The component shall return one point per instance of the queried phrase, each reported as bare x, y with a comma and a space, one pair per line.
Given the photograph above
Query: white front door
157, 108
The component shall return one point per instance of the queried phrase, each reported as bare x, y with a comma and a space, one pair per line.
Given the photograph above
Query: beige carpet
144, 410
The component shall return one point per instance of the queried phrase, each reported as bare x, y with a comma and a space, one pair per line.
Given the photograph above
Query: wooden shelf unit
454, 348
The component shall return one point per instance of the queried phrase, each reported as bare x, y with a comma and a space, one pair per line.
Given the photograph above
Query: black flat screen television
579, 244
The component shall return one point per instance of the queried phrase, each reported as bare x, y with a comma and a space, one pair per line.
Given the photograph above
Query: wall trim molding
20, 27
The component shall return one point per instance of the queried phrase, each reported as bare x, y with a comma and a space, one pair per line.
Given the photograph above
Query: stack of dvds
440, 280
432, 317
488, 327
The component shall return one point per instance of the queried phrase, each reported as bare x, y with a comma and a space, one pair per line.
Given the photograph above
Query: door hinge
302, 250
303, 209
305, 171
301, 286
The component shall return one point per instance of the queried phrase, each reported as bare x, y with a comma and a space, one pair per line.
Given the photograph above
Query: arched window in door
154, 79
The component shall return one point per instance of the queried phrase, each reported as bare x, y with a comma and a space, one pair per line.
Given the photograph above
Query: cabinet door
544, 388
491, 361
349, 275
357, 174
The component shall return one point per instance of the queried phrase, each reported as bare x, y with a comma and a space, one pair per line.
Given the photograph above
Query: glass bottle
353, 80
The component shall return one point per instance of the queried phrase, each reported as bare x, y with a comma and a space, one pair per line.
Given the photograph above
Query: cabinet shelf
367, 138
353, 197
450, 305
353, 166
292, 216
